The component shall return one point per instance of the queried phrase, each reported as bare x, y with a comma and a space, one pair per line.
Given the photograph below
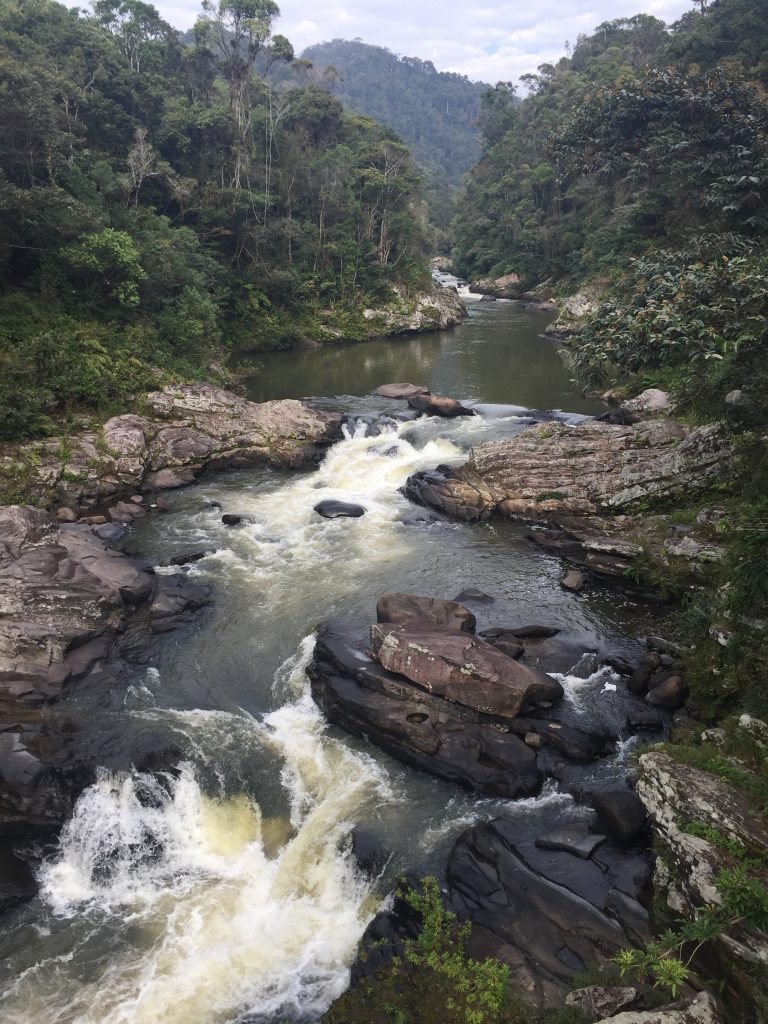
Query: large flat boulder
591, 468
421, 730
461, 668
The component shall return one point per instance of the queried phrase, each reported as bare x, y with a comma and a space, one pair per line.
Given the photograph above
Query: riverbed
225, 891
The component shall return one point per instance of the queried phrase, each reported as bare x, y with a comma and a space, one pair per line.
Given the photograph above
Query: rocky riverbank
69, 598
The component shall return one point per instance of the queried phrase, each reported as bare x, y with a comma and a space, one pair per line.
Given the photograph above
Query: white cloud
486, 43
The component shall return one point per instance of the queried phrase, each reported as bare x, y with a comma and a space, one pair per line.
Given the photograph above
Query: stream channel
227, 892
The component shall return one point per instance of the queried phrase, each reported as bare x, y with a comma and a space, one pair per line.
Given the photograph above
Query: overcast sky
488, 42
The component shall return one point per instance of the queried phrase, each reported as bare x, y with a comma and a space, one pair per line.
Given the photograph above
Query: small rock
487, 298
137, 499
621, 815
574, 580
663, 646
735, 397
400, 390
188, 557
339, 510
66, 515
211, 506
532, 739
94, 520
671, 693
598, 1001
473, 594
533, 632
654, 400
235, 519
110, 533
711, 516
169, 479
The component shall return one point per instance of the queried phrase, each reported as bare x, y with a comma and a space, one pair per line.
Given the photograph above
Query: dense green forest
160, 202
436, 113
639, 165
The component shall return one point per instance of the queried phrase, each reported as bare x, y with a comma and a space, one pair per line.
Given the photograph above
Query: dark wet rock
174, 601
549, 907
574, 580
236, 519
487, 298
533, 632
188, 557
475, 595
411, 608
212, 506
368, 850
671, 692
576, 838
599, 553
386, 451
439, 405
461, 668
414, 726
17, 882
621, 815
386, 934
420, 517
598, 1001
509, 646
645, 721
331, 509
400, 390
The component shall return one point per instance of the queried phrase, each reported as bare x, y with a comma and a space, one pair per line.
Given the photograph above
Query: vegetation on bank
161, 203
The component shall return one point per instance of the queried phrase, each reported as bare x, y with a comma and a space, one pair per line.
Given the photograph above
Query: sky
488, 42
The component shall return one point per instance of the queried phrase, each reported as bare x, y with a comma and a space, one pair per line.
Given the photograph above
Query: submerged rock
438, 405
411, 608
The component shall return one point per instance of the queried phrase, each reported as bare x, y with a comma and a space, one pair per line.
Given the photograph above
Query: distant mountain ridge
434, 112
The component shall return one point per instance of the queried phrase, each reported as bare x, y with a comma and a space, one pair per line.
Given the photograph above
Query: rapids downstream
226, 892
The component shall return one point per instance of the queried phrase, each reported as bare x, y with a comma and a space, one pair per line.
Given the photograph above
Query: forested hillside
160, 203
638, 166
435, 112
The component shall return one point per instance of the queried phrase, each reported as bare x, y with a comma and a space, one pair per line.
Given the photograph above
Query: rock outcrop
433, 310
483, 752
695, 815
589, 469
184, 429
508, 286
65, 599
547, 913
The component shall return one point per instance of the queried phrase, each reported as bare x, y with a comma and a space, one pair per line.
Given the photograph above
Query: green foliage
704, 308
668, 961
149, 191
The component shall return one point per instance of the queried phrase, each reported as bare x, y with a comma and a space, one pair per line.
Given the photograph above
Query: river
226, 891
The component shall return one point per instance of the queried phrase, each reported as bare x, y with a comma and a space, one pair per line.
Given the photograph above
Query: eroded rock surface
588, 469
186, 428
678, 796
